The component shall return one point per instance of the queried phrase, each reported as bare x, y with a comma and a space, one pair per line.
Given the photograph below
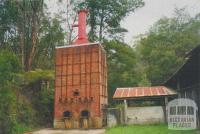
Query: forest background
29, 35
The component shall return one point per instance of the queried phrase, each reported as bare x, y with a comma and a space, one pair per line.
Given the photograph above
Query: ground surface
133, 129
51, 131
146, 129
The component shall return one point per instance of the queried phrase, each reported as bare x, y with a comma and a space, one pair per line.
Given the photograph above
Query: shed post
178, 87
166, 100
125, 112
165, 110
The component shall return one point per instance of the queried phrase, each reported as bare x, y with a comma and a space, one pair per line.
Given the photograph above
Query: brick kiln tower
81, 82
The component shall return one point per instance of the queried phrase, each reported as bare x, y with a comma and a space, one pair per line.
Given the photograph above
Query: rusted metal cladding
80, 85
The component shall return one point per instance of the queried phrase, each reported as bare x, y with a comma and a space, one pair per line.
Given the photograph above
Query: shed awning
136, 92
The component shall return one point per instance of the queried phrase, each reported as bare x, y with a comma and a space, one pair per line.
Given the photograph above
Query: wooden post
166, 100
125, 112
165, 111
178, 87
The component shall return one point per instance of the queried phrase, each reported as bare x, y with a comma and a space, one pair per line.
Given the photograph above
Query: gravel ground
52, 131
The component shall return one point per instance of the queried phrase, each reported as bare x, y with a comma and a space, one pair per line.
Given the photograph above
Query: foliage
8, 66
105, 16
37, 75
121, 64
28, 37
150, 129
39, 93
28, 30
164, 49
21, 128
51, 35
7, 110
156, 57
43, 103
17, 112
25, 113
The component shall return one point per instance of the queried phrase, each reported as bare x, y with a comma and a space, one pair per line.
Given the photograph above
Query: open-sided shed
144, 114
143, 92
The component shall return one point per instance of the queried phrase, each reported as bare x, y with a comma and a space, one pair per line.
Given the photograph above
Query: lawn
146, 129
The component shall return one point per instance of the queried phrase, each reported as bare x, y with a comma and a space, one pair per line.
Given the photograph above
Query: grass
147, 129
22, 128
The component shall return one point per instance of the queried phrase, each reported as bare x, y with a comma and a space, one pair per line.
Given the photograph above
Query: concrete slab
53, 131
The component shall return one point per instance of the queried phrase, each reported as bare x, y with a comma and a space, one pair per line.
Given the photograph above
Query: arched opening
67, 114
84, 121
85, 114
67, 119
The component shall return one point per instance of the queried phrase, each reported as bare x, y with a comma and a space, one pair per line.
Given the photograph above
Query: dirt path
52, 131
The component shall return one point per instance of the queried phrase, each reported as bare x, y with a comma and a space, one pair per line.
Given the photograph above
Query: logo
182, 114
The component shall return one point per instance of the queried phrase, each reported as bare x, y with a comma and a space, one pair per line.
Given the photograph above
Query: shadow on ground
53, 131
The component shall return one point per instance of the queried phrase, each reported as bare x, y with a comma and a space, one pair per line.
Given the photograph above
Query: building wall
187, 80
145, 115
81, 84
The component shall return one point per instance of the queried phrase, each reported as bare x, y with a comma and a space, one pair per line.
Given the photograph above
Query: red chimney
82, 35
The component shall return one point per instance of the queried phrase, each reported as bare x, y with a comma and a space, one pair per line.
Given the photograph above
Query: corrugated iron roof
135, 92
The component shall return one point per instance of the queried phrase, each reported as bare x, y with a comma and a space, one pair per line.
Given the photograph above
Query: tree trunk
21, 30
36, 12
92, 25
21, 43
101, 26
33, 43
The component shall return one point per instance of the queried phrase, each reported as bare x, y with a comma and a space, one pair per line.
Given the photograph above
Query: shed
145, 114
143, 92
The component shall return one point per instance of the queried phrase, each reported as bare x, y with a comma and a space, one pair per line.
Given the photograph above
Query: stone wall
145, 115
115, 116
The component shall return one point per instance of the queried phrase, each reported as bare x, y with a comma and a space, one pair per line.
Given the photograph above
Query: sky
142, 19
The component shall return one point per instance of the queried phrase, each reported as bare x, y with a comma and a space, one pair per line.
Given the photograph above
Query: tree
121, 62
68, 16
164, 49
30, 35
51, 35
23, 27
105, 16
28, 24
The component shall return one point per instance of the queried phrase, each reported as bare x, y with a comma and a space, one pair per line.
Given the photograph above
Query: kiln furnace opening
85, 114
67, 114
